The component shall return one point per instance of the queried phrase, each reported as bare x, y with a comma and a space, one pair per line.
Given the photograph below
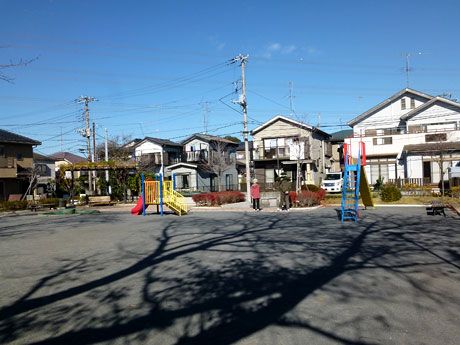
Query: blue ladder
350, 189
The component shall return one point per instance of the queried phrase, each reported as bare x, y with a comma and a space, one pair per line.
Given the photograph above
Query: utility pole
107, 159
243, 59
94, 143
87, 133
94, 157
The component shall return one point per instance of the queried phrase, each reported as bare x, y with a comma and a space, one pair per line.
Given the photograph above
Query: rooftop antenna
408, 69
291, 97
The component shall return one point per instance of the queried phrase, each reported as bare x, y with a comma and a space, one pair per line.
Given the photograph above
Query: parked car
332, 182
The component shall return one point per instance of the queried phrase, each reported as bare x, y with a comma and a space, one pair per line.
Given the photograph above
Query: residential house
282, 143
44, 168
153, 153
337, 139
16, 163
408, 137
208, 164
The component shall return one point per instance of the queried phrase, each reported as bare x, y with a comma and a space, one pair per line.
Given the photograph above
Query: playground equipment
354, 183
160, 193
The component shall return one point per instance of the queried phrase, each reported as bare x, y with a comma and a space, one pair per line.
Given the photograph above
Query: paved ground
228, 277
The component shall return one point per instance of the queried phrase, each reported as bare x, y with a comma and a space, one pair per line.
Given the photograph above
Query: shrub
307, 198
53, 201
379, 184
390, 192
310, 187
217, 198
455, 191
13, 205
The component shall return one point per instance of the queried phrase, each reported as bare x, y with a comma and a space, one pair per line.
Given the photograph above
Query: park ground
231, 278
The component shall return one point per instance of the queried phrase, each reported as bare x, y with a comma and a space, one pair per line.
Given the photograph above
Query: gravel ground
231, 277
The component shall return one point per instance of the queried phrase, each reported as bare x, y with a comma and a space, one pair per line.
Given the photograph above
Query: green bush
379, 184
390, 192
13, 205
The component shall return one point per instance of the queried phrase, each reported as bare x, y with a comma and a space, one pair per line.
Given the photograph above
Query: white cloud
289, 49
278, 48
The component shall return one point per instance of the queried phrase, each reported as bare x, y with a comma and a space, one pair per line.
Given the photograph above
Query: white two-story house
407, 136
281, 144
153, 154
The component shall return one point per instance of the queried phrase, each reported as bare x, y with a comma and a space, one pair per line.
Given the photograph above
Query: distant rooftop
341, 135
9, 137
70, 157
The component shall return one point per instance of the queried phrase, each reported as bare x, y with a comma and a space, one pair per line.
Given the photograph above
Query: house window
383, 141
403, 103
19, 156
370, 132
269, 176
429, 138
412, 103
185, 181
229, 182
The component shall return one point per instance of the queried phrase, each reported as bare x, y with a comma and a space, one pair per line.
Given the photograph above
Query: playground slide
137, 210
364, 189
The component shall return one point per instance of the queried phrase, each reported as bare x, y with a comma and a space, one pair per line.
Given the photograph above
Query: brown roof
67, 156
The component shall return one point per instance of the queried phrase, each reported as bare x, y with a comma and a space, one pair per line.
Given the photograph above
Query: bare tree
218, 161
12, 64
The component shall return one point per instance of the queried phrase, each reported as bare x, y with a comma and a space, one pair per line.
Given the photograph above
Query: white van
332, 182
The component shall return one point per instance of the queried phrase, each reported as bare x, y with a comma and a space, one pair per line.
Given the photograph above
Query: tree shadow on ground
220, 281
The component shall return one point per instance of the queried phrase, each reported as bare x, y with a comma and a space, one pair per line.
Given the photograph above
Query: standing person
255, 195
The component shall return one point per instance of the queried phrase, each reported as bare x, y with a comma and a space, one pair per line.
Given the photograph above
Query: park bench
436, 208
35, 206
103, 200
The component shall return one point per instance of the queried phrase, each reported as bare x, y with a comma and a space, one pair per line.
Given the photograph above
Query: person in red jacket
255, 195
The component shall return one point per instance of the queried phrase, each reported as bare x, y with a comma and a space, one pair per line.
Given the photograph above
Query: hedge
307, 198
217, 198
13, 205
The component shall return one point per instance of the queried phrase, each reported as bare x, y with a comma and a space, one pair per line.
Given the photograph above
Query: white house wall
186, 171
387, 117
146, 148
196, 145
442, 114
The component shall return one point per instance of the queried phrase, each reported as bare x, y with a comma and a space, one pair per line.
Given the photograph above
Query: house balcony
197, 156
277, 153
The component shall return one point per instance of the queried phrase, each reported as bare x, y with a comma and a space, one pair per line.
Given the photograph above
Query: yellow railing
171, 198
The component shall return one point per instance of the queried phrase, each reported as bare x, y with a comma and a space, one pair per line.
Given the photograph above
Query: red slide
137, 210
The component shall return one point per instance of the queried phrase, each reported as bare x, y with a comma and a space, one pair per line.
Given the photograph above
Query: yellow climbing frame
174, 200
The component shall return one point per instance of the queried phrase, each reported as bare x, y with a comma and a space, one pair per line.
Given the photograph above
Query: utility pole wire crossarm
242, 59
87, 133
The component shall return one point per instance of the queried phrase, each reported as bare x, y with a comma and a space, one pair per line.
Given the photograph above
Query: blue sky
156, 66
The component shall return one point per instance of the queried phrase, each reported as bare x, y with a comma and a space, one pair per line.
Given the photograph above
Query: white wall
146, 148
197, 145
387, 117
437, 113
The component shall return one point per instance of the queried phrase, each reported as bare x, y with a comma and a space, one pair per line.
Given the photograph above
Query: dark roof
42, 158
341, 135
159, 141
433, 147
242, 148
9, 137
208, 138
292, 122
379, 106
70, 157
